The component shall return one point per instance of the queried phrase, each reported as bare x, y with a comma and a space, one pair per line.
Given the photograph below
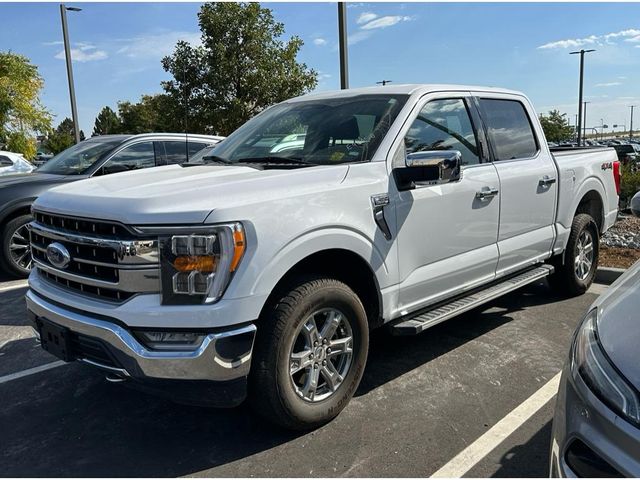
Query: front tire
576, 273
310, 354
16, 250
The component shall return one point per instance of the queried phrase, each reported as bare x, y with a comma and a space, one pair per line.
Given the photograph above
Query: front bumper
582, 419
222, 360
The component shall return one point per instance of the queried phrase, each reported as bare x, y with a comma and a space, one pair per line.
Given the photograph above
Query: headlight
197, 267
591, 363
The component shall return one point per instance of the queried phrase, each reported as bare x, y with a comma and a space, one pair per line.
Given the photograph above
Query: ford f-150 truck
260, 273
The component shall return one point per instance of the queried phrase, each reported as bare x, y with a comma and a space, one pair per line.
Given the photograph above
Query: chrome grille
107, 260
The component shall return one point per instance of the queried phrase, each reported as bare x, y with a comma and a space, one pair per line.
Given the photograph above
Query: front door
528, 183
446, 232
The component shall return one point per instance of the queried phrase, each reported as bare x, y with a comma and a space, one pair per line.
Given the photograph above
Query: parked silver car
11, 163
596, 427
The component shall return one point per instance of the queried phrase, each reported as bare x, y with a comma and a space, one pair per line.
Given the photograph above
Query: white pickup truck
260, 273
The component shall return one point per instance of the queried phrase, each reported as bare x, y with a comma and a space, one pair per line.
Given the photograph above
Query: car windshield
199, 158
313, 132
78, 159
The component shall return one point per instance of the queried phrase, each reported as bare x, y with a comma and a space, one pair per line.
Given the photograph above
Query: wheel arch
346, 257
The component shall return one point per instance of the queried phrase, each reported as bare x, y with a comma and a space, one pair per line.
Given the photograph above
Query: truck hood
182, 195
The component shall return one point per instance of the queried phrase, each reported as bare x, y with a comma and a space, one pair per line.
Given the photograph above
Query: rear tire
16, 251
576, 273
297, 381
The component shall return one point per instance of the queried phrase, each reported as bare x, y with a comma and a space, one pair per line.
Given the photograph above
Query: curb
608, 275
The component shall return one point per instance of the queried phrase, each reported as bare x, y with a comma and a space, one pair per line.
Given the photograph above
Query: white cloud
609, 84
366, 17
156, 45
384, 22
592, 40
319, 41
635, 39
82, 52
358, 37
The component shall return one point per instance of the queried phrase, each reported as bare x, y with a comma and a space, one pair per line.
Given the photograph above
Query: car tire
282, 377
12, 260
576, 269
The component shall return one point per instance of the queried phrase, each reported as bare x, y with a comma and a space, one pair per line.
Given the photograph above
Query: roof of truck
402, 89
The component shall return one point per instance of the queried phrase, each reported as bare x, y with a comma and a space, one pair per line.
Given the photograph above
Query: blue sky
523, 46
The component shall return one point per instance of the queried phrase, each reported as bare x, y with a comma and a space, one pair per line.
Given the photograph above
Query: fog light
171, 340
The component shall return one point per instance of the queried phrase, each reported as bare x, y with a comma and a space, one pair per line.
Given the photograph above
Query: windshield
198, 158
80, 158
315, 132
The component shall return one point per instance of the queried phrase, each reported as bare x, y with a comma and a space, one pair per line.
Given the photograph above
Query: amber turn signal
200, 263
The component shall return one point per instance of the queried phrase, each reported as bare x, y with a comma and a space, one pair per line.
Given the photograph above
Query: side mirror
433, 167
635, 204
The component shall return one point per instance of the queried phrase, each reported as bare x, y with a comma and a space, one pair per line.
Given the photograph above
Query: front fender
319, 240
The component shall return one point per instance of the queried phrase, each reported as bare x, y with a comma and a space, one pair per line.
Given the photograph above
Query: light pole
383, 82
67, 54
581, 52
342, 40
631, 124
601, 129
584, 134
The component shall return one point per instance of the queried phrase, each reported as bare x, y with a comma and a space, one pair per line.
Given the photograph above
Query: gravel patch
625, 233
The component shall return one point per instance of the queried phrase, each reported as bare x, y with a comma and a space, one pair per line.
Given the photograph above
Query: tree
107, 122
556, 127
241, 68
62, 137
21, 113
153, 113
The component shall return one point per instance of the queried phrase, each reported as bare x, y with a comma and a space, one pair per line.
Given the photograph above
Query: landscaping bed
620, 245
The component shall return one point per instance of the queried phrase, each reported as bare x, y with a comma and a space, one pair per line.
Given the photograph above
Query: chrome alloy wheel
321, 354
584, 256
20, 248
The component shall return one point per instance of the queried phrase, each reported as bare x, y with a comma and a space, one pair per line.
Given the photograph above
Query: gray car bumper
589, 435
223, 358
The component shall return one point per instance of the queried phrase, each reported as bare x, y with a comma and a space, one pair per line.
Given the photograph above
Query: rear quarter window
509, 129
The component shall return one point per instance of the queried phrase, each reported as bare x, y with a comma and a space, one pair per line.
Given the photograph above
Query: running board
421, 322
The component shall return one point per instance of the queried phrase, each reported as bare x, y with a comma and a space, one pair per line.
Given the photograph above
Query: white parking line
14, 286
597, 288
31, 371
470, 456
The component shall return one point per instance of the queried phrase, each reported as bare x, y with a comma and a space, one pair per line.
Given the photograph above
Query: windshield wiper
215, 159
275, 160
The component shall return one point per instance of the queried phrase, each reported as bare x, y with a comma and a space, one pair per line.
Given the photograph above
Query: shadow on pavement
71, 422
530, 459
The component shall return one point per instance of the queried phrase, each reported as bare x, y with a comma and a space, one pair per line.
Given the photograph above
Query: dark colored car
626, 153
95, 156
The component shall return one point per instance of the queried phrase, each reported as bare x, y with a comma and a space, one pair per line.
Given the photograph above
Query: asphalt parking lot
423, 400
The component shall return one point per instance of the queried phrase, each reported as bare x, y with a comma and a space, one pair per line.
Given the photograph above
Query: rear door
528, 181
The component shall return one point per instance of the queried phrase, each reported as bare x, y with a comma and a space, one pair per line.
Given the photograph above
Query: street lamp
584, 134
383, 82
342, 41
67, 54
631, 124
581, 52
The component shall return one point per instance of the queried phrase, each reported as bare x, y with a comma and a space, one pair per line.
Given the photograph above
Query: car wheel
16, 250
576, 273
310, 354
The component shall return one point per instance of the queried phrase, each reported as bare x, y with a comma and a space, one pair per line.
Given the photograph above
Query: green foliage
556, 127
153, 113
21, 113
242, 67
21, 143
62, 137
107, 122
630, 182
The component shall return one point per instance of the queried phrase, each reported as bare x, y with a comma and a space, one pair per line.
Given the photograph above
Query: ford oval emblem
58, 255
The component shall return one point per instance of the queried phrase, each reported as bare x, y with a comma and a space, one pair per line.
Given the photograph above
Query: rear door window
509, 129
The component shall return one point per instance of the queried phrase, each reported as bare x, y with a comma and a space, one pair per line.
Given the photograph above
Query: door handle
486, 193
546, 181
